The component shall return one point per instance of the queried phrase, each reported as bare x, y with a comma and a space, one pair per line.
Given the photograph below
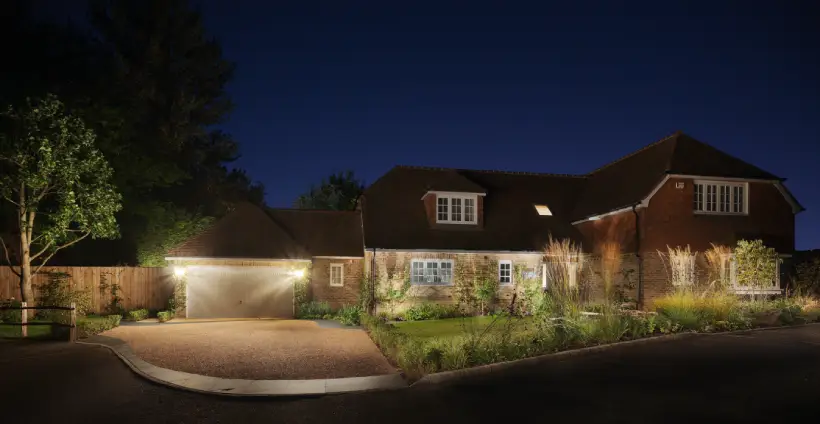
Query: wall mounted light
298, 273
179, 271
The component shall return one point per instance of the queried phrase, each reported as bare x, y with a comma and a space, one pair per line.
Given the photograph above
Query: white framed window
431, 272
337, 275
505, 272
714, 197
729, 270
552, 270
683, 269
456, 208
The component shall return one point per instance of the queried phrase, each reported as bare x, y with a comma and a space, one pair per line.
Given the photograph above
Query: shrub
93, 324
349, 315
10, 315
57, 291
313, 310
137, 315
165, 316
425, 311
807, 277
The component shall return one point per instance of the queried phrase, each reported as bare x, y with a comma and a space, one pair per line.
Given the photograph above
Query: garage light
179, 271
298, 273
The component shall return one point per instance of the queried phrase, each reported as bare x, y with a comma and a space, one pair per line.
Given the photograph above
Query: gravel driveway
256, 349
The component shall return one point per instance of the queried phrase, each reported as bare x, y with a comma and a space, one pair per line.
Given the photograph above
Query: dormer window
456, 209
543, 210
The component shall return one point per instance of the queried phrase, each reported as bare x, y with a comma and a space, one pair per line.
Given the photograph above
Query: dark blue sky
336, 85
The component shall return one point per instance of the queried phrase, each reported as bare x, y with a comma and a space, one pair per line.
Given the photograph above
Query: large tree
147, 78
339, 192
57, 183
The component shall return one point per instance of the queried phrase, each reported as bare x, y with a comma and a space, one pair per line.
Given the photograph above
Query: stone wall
392, 269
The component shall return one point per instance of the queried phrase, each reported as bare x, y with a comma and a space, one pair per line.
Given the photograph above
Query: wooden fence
138, 287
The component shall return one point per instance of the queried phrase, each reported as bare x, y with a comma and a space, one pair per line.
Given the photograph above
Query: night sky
336, 85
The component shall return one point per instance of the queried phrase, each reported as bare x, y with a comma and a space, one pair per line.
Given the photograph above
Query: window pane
446, 272
418, 272
724, 198
455, 214
738, 202
711, 198
431, 272
469, 210
698, 197
442, 209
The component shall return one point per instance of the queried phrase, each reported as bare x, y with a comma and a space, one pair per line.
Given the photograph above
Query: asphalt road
768, 376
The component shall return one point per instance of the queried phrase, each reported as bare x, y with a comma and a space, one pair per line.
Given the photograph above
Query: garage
216, 291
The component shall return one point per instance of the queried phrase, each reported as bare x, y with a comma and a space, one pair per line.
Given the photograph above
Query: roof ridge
311, 210
491, 171
675, 134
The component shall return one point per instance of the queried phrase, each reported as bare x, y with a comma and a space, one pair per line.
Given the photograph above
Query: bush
313, 310
56, 291
137, 315
349, 315
425, 311
10, 315
93, 324
165, 316
691, 311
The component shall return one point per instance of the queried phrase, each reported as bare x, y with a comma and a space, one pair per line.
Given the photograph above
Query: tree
56, 180
339, 192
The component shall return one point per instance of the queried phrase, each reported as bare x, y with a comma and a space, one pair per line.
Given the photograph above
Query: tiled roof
245, 232
630, 179
394, 216
251, 232
323, 233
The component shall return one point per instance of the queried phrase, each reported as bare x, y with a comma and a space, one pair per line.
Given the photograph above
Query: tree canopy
148, 80
338, 192
57, 182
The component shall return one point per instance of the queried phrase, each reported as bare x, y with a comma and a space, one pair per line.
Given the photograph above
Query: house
428, 227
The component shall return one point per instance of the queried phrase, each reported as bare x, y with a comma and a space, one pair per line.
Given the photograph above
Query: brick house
428, 227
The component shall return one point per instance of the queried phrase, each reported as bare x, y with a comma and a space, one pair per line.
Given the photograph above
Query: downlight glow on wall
543, 210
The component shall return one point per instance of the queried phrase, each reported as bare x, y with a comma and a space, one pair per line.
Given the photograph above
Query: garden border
455, 375
240, 387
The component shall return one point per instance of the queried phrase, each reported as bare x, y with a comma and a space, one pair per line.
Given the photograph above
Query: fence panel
138, 287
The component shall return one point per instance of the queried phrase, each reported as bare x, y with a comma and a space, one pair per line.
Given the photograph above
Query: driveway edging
446, 376
241, 387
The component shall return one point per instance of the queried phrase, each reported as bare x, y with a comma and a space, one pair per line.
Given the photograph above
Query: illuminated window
337, 275
543, 210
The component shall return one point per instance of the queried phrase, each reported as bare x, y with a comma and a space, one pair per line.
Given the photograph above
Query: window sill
757, 291
337, 285
431, 285
720, 213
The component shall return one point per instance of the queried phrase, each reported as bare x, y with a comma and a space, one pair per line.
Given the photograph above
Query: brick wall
670, 220
321, 290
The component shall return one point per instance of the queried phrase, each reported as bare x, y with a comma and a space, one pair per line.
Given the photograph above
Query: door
239, 292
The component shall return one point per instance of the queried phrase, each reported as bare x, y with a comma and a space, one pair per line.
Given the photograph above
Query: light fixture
298, 273
179, 271
543, 210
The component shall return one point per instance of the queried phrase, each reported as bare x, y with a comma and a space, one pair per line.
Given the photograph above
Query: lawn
34, 331
456, 326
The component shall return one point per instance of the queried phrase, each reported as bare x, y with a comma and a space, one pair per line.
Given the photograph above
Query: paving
766, 377
256, 349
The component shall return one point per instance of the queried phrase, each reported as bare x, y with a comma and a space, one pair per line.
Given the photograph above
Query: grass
455, 326
34, 331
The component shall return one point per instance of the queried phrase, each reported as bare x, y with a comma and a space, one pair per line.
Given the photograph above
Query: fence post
23, 319
73, 330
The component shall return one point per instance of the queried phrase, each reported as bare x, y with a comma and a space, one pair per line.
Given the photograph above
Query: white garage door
239, 292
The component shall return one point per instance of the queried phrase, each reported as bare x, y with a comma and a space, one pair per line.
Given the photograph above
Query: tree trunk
26, 292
